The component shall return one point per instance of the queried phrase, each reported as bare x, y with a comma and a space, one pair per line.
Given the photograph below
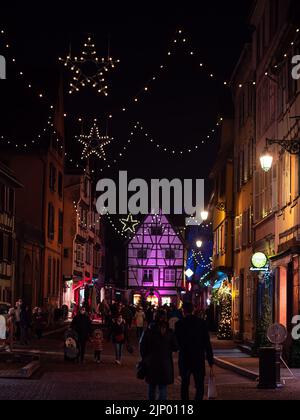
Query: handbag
120, 338
141, 370
212, 387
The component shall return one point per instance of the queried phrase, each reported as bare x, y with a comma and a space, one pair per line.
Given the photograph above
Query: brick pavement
58, 380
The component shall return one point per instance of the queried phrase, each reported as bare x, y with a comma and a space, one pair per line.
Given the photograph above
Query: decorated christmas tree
225, 302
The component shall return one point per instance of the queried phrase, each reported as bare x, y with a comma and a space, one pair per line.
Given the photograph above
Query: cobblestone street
57, 380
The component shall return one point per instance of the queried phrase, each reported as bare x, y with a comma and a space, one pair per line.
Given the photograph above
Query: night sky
179, 109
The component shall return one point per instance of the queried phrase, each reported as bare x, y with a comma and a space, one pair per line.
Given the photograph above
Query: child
98, 344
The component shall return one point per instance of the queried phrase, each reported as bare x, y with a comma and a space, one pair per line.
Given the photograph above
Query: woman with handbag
119, 336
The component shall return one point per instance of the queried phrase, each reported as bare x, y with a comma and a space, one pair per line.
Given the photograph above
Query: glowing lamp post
199, 244
204, 215
266, 161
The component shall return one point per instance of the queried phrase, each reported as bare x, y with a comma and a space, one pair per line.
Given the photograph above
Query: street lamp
291, 146
204, 215
266, 161
199, 244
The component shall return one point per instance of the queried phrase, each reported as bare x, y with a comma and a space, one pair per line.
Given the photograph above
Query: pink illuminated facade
155, 270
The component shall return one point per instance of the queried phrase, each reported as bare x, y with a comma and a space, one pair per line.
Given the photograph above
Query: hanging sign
259, 262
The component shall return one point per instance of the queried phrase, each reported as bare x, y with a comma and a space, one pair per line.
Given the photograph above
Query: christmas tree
225, 302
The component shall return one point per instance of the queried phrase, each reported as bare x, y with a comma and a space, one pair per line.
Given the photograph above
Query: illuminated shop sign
259, 262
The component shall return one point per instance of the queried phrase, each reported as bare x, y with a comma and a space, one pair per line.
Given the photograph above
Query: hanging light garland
94, 143
88, 69
174, 151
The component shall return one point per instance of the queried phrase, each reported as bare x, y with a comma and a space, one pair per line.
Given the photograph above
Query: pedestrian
82, 325
98, 345
39, 323
18, 306
149, 315
157, 347
2, 329
10, 328
119, 335
140, 322
25, 322
127, 315
194, 346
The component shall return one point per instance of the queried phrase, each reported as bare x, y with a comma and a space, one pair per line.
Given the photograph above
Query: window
88, 253
52, 177
170, 276
148, 276
7, 199
156, 231
2, 197
6, 248
54, 277
51, 220
238, 232
60, 226
170, 254
58, 277
49, 274
11, 201
60, 184
142, 254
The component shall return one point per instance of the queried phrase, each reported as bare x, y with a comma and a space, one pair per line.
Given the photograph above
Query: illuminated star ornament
94, 143
129, 224
88, 69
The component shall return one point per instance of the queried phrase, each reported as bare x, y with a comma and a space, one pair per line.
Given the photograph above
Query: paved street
57, 380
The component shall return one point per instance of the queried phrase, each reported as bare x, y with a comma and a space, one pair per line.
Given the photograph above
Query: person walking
82, 325
119, 335
25, 322
10, 328
39, 322
139, 322
157, 347
194, 346
2, 329
18, 306
98, 345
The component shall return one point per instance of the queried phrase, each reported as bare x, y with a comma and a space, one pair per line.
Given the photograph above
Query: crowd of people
160, 332
19, 324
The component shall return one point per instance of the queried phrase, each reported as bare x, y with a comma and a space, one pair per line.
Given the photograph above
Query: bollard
269, 368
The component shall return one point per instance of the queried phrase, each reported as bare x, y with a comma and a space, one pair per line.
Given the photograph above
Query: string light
97, 69
173, 151
94, 143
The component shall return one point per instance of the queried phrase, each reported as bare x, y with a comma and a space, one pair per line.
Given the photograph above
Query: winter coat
83, 326
157, 354
98, 341
2, 327
194, 344
118, 332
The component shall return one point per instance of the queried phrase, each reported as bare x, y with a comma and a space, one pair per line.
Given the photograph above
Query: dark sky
180, 108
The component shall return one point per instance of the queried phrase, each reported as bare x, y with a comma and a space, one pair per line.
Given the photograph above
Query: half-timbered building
156, 262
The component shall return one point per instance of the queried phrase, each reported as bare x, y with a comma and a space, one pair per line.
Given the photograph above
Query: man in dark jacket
157, 346
194, 344
83, 327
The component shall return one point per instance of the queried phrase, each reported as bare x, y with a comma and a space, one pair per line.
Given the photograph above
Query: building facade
221, 206
9, 186
244, 166
84, 250
155, 262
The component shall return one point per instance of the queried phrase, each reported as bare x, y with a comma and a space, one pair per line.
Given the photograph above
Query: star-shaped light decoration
94, 143
88, 69
129, 224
